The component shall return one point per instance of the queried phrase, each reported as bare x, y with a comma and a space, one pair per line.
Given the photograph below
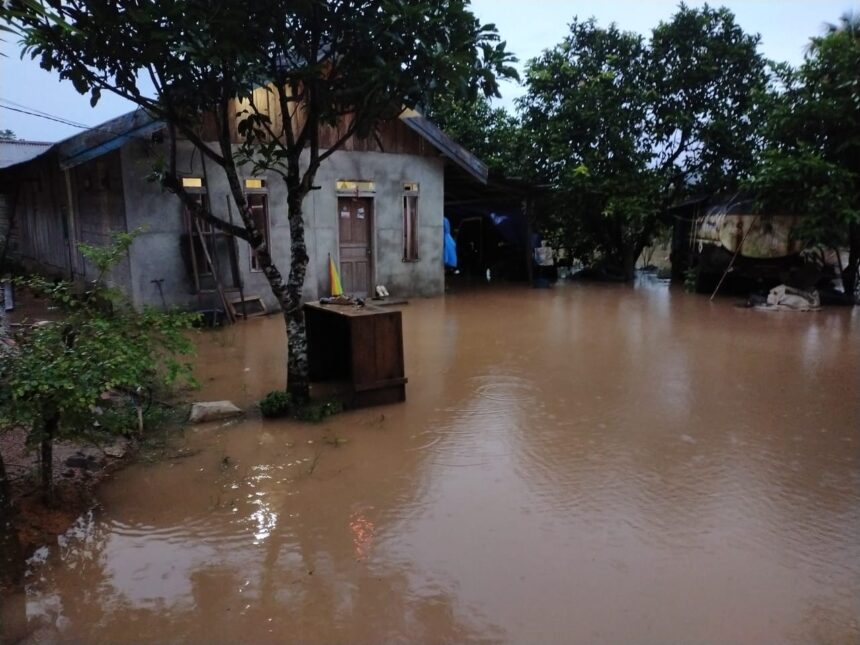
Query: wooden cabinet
359, 348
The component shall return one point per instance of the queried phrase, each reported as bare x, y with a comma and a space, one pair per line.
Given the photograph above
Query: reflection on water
586, 464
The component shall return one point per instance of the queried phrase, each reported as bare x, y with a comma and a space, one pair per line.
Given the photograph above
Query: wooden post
234, 261
528, 212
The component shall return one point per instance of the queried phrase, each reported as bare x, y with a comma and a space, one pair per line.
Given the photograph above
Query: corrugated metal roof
106, 137
15, 152
85, 145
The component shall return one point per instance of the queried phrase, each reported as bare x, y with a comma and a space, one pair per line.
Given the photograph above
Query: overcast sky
528, 27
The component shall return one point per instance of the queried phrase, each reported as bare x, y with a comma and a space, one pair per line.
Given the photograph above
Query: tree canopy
811, 162
492, 133
622, 126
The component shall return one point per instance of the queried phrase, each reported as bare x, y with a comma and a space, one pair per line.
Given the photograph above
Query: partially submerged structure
377, 210
712, 236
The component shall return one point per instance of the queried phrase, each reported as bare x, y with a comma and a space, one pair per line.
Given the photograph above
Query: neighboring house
377, 211
13, 151
715, 236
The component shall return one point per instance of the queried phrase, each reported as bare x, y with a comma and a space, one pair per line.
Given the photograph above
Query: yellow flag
336, 288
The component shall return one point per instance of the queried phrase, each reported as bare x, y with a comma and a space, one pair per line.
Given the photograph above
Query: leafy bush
59, 373
691, 278
316, 412
276, 404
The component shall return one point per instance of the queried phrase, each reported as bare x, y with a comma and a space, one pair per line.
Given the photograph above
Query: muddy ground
78, 468
589, 463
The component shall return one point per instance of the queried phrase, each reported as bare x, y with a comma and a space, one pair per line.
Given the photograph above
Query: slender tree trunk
298, 384
289, 294
849, 272
11, 560
46, 453
629, 255
5, 492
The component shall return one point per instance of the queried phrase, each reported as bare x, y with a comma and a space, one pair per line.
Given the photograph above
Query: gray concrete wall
156, 254
389, 172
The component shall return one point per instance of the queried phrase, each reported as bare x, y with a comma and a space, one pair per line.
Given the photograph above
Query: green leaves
811, 162
99, 345
492, 134
621, 126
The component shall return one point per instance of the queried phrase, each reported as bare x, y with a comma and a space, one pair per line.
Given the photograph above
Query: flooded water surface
588, 464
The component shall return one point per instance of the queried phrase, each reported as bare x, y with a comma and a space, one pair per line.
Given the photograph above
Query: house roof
115, 133
106, 137
15, 151
445, 144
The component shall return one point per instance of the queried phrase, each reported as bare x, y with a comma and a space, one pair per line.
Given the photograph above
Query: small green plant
691, 277
316, 412
276, 404
280, 404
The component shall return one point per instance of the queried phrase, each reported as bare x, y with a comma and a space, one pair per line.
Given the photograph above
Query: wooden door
356, 253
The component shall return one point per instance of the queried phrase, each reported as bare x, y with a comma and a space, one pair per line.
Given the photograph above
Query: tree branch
173, 184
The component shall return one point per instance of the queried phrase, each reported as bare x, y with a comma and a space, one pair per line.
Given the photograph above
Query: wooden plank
387, 347
247, 307
363, 345
379, 385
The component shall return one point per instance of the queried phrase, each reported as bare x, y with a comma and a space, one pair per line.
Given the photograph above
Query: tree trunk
5, 492
628, 262
298, 384
11, 562
46, 464
849, 272
289, 295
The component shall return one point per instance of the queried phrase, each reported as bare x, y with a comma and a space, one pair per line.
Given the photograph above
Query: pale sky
528, 27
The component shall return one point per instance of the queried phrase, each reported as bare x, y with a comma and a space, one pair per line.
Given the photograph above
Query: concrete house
377, 210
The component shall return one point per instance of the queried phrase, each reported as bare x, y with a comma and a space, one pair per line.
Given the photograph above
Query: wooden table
360, 347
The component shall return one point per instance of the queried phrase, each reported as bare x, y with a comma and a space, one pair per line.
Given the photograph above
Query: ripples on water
587, 464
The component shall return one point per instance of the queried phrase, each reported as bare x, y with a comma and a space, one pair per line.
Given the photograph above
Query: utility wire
45, 116
42, 112
23, 109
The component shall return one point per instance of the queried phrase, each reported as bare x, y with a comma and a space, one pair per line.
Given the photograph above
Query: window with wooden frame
258, 203
410, 222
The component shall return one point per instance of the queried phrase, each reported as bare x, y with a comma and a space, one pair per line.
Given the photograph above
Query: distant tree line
621, 126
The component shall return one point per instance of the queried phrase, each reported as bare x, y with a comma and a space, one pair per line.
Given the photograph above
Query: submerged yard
585, 464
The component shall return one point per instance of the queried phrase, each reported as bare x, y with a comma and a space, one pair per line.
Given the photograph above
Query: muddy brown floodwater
591, 464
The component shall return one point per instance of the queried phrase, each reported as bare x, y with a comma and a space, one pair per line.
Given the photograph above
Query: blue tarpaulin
510, 227
450, 246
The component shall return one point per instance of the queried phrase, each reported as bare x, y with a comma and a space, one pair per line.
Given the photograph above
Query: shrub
316, 412
691, 279
276, 404
59, 373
